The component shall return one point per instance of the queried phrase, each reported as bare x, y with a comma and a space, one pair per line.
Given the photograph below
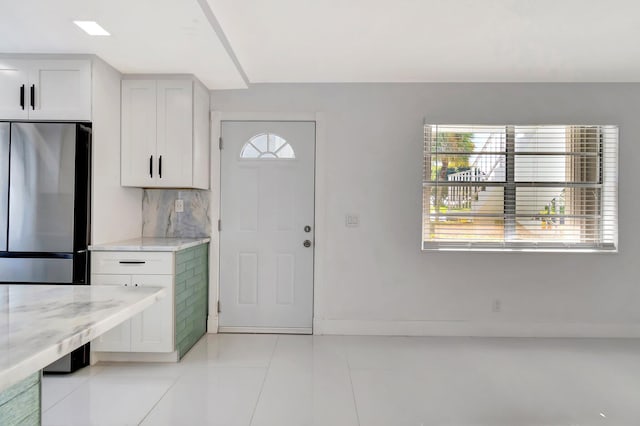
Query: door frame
320, 235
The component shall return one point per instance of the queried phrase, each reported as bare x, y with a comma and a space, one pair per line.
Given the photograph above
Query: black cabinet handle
160, 166
151, 166
132, 262
33, 97
22, 96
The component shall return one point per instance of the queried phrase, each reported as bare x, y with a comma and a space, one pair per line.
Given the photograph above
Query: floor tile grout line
66, 396
266, 373
170, 387
160, 399
353, 390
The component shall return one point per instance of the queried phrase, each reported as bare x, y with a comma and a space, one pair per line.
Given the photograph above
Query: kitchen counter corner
150, 244
41, 323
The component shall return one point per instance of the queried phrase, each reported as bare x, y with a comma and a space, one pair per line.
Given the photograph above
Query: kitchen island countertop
150, 244
41, 323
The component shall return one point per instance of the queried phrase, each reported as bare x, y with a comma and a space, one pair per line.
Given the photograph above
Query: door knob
307, 228
307, 243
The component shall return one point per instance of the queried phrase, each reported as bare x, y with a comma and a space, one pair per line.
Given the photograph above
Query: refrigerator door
4, 184
41, 188
30, 270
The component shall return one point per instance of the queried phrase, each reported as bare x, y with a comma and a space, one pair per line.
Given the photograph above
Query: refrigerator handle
33, 97
22, 96
160, 166
151, 166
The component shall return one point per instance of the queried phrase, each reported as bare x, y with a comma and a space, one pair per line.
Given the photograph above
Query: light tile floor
261, 380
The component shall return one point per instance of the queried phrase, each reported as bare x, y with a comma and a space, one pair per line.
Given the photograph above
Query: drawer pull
132, 262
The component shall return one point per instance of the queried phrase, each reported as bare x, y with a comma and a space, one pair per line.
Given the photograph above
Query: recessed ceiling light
92, 28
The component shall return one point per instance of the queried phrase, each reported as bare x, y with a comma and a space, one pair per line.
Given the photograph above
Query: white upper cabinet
14, 83
175, 133
139, 158
165, 139
201, 138
60, 90
47, 89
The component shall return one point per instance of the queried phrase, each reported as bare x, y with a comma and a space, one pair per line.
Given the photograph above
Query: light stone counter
41, 323
150, 244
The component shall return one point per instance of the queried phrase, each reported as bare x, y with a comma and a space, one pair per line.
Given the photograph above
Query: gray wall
376, 279
115, 212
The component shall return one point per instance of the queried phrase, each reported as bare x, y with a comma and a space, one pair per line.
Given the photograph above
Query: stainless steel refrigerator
45, 208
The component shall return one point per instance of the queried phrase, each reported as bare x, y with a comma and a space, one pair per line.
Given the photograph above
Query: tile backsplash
159, 218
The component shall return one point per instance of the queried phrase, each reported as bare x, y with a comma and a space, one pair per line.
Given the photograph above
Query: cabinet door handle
151, 166
33, 97
160, 167
22, 96
132, 262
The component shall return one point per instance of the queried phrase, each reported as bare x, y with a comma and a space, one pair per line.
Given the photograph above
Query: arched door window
267, 145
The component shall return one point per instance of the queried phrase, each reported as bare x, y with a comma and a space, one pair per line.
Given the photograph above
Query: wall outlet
496, 305
352, 220
179, 206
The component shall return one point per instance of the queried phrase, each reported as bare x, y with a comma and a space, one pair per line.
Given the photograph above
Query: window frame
268, 154
607, 185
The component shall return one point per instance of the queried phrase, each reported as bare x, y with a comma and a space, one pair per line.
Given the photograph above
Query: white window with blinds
520, 187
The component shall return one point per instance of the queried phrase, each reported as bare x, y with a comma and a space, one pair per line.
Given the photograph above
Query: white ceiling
433, 40
148, 36
341, 40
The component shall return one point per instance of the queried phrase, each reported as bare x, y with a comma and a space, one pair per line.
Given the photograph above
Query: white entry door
267, 226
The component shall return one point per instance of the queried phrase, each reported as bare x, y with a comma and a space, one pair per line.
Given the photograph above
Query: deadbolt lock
307, 228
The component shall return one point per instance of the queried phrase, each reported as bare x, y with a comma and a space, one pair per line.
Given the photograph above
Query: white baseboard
212, 324
475, 329
266, 330
133, 357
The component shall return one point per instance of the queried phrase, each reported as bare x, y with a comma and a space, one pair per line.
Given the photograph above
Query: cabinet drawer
132, 262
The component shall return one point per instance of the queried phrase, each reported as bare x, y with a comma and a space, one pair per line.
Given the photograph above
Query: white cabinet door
59, 90
117, 339
139, 161
152, 329
14, 90
175, 133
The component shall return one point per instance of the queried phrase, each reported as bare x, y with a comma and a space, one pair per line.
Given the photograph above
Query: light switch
179, 206
352, 220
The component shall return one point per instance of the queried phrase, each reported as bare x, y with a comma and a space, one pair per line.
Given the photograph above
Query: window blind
520, 187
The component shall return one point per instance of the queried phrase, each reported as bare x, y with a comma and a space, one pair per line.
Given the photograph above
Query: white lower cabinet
117, 339
152, 330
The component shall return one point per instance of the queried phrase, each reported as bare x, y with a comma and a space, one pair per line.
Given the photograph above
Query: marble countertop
150, 244
41, 323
